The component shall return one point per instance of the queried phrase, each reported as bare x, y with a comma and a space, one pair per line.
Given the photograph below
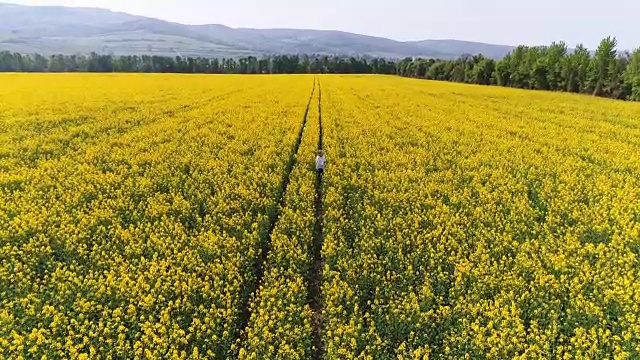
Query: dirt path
315, 278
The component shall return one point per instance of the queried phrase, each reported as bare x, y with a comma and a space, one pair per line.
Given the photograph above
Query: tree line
276, 64
606, 72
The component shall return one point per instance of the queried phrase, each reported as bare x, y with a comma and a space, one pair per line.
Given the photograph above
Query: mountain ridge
70, 30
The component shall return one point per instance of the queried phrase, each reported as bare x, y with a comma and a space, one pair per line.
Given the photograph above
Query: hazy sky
513, 22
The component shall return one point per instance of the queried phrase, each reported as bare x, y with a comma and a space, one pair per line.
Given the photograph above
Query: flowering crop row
476, 222
132, 209
280, 326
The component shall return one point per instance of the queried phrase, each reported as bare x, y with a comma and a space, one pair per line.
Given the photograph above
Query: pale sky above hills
494, 21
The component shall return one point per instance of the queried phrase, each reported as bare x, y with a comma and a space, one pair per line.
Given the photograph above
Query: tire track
261, 261
315, 278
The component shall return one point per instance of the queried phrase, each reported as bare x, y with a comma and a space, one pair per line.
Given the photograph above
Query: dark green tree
482, 72
603, 61
632, 75
555, 58
576, 70
502, 73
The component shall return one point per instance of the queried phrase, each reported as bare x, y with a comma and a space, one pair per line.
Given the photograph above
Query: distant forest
606, 72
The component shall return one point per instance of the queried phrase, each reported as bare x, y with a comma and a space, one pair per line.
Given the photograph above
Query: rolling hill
55, 29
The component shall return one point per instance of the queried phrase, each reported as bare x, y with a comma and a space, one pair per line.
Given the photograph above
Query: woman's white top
320, 162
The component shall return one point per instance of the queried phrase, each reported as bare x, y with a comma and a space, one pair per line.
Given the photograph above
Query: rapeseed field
479, 222
181, 217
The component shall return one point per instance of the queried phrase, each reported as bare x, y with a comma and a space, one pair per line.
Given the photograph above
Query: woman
320, 161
